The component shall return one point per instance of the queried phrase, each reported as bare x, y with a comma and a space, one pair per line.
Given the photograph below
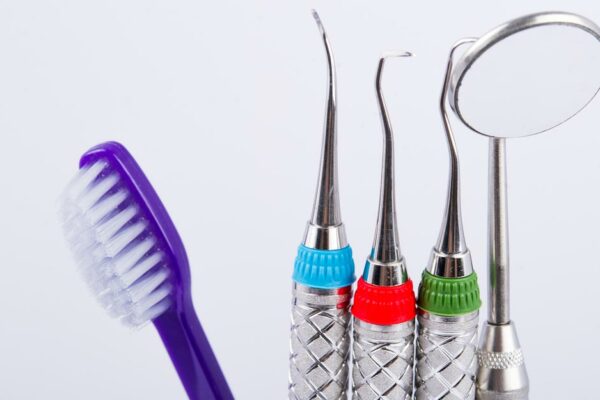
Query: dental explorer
448, 301
322, 279
384, 302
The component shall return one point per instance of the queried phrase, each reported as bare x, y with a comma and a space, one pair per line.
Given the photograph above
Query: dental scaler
384, 303
448, 303
322, 279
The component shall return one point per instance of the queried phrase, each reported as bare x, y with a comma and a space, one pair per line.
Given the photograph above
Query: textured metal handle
320, 343
505, 371
502, 374
446, 357
383, 358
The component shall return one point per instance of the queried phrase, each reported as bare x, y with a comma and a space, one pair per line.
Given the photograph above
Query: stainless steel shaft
320, 343
502, 374
383, 357
446, 357
499, 279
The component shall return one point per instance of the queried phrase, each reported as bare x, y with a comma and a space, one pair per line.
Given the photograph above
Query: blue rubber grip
324, 269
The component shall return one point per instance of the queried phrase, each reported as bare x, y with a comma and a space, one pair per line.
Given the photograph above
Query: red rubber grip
384, 305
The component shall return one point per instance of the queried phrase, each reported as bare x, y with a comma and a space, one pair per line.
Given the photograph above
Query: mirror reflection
530, 81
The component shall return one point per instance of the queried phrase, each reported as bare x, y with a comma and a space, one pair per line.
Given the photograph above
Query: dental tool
322, 279
448, 301
524, 77
384, 302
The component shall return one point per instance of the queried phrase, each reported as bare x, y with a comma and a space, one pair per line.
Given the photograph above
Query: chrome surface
450, 257
505, 31
390, 274
320, 326
502, 374
499, 273
450, 265
446, 356
325, 237
385, 265
383, 357
386, 246
320, 343
446, 346
326, 207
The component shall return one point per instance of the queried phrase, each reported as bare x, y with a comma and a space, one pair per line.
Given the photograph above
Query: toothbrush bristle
113, 246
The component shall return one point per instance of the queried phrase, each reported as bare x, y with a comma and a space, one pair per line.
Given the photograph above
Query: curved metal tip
326, 213
384, 57
317, 18
393, 54
460, 42
386, 260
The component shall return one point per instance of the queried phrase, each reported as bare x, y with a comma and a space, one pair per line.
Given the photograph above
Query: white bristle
128, 278
84, 177
114, 224
151, 299
145, 286
122, 238
106, 206
132, 257
153, 312
95, 191
113, 247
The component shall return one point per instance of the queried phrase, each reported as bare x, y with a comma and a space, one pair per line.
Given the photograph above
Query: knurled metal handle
320, 343
505, 360
502, 374
446, 357
383, 358
510, 364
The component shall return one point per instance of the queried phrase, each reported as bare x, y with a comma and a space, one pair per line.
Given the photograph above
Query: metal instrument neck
386, 246
451, 257
452, 238
385, 265
499, 300
326, 208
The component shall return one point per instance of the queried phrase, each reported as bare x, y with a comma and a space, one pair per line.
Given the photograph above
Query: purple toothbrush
133, 259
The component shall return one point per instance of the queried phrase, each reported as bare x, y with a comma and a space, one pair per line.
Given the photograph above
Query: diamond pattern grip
446, 365
383, 366
319, 349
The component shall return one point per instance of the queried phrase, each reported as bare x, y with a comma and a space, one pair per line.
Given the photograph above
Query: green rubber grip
449, 296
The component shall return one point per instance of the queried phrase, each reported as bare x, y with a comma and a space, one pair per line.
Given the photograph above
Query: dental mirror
528, 75
525, 77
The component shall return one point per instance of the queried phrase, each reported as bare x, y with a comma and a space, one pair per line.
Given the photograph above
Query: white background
222, 104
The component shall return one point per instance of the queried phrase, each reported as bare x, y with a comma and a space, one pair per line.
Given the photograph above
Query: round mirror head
528, 75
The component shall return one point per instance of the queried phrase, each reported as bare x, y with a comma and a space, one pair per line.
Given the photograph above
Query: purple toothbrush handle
192, 355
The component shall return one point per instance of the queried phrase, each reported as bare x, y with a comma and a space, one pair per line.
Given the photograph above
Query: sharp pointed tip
317, 18
396, 54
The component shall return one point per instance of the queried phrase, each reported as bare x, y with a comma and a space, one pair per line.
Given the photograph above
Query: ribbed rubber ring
449, 296
324, 269
384, 305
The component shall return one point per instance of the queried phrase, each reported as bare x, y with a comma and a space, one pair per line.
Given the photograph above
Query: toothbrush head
123, 240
